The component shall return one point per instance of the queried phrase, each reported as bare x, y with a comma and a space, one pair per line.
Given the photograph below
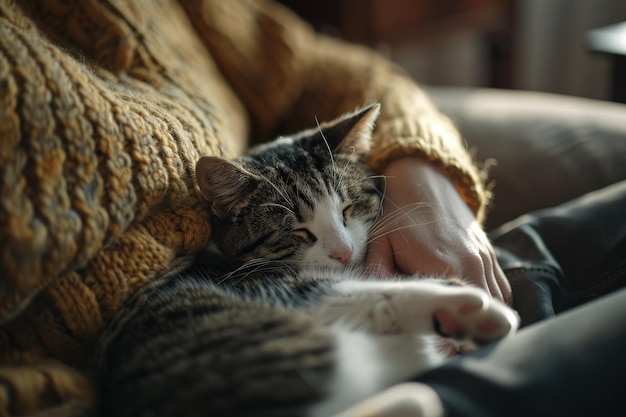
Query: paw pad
488, 326
466, 309
446, 324
473, 321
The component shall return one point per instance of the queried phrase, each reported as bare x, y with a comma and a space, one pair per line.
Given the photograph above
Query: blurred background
539, 45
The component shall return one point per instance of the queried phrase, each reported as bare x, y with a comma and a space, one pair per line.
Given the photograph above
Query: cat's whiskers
392, 219
280, 206
255, 265
383, 233
383, 192
389, 224
375, 176
342, 173
375, 272
281, 192
406, 211
258, 265
390, 227
330, 151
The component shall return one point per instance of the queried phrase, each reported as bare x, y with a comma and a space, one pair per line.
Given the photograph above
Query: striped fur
230, 335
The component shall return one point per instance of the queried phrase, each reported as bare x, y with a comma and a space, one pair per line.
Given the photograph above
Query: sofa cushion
548, 148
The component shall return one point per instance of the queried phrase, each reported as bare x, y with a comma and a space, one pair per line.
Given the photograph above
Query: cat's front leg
463, 313
378, 327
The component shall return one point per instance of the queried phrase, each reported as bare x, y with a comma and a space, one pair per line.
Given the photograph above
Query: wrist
413, 179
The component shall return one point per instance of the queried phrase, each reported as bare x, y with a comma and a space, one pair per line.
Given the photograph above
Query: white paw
469, 316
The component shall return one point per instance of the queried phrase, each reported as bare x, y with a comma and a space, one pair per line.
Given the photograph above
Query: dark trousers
567, 268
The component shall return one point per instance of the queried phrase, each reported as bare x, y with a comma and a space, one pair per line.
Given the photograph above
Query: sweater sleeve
287, 76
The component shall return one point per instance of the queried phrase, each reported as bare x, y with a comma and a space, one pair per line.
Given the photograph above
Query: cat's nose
342, 255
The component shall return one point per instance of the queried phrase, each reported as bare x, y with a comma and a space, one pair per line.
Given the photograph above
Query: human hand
427, 229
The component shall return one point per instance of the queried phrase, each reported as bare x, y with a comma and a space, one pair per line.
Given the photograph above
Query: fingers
503, 282
495, 280
489, 271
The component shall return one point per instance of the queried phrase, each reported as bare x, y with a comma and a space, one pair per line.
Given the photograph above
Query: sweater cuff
435, 140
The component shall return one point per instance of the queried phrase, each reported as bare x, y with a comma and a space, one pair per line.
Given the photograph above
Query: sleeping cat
277, 317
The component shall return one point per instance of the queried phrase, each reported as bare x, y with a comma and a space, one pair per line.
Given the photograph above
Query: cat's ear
352, 133
225, 185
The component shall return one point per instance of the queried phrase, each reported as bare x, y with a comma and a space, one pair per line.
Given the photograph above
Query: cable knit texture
105, 107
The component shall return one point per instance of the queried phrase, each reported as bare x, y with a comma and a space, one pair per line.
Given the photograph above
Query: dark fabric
568, 359
562, 257
572, 365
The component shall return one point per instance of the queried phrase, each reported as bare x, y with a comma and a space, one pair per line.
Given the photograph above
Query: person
108, 107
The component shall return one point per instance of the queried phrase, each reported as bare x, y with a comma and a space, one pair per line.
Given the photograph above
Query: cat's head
307, 198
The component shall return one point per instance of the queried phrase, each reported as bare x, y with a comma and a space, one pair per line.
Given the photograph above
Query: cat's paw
471, 318
461, 313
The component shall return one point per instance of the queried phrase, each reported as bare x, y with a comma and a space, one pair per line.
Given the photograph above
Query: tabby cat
276, 317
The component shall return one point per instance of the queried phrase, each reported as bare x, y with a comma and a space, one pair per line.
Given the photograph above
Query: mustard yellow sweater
105, 105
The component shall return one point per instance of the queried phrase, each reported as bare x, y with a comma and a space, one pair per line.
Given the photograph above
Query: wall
550, 49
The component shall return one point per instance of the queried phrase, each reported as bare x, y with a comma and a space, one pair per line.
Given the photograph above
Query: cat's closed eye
305, 234
347, 212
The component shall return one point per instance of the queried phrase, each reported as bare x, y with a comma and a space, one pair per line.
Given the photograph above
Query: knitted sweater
106, 106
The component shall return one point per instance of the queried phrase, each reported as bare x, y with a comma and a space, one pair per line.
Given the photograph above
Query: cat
278, 316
